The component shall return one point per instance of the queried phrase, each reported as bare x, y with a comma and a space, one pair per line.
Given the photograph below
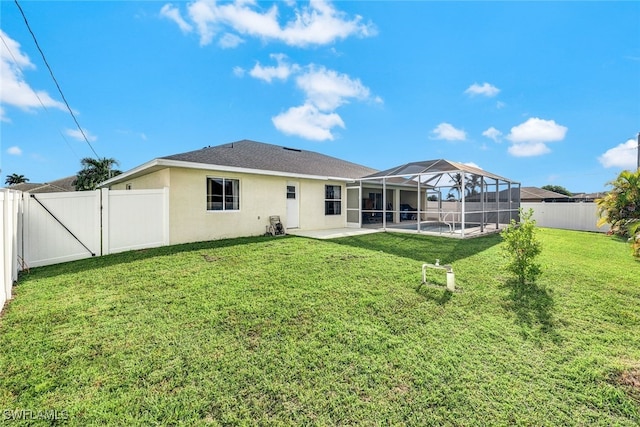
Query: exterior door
293, 207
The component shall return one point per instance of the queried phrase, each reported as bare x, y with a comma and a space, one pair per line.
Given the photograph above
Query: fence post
6, 246
103, 211
165, 220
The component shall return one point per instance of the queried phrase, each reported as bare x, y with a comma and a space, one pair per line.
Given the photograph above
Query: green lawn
290, 331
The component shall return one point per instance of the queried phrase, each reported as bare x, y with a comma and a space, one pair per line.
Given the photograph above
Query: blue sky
539, 92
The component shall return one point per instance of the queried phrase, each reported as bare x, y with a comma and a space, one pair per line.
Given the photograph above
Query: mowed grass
289, 331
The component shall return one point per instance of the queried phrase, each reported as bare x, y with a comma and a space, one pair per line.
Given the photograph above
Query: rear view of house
231, 190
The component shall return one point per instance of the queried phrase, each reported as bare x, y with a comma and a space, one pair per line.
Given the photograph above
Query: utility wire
17, 64
54, 79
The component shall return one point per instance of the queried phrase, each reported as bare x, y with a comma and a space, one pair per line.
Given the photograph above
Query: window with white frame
332, 200
223, 194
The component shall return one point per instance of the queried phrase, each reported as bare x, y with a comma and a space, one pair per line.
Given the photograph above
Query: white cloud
76, 134
238, 71
308, 122
321, 24
318, 23
14, 151
15, 90
229, 41
624, 156
530, 138
528, 149
449, 133
173, 13
327, 89
324, 91
281, 71
537, 130
493, 133
484, 89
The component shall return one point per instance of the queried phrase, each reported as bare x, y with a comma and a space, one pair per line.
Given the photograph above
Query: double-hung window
332, 200
223, 194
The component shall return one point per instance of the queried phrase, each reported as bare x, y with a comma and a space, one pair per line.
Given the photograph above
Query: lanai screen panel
456, 195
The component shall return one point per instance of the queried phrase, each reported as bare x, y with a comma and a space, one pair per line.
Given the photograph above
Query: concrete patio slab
332, 233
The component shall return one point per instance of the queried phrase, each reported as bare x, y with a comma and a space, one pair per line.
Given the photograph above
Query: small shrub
521, 247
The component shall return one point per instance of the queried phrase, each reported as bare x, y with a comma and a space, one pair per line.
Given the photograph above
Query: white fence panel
568, 216
60, 227
10, 203
135, 219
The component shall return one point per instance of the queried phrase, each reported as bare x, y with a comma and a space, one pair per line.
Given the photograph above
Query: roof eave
158, 164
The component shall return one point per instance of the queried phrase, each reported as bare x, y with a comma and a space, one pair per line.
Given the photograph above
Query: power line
54, 78
17, 64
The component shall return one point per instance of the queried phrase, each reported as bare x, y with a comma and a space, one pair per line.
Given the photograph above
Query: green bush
620, 208
521, 247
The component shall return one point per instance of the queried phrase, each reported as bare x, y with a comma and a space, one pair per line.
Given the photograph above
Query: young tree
620, 207
521, 247
14, 178
95, 171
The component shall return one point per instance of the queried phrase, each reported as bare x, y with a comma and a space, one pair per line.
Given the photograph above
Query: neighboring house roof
539, 194
587, 197
59, 185
257, 157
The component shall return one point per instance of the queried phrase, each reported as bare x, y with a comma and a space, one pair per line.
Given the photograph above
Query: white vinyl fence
9, 225
60, 227
568, 216
49, 228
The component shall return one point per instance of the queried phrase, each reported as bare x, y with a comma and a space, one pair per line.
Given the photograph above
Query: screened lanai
435, 196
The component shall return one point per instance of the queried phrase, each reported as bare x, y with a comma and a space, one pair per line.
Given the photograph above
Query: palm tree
95, 171
470, 184
14, 179
620, 207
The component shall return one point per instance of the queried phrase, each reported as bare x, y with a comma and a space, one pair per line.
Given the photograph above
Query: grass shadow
98, 262
420, 247
436, 294
533, 306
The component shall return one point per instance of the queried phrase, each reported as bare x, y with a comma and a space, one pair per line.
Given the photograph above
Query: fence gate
60, 227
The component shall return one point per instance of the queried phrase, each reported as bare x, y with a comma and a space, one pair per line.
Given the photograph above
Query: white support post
462, 185
482, 197
384, 204
419, 203
497, 204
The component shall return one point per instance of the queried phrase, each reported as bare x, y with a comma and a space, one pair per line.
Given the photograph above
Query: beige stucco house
231, 190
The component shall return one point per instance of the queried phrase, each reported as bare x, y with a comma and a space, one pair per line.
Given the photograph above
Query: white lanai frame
474, 197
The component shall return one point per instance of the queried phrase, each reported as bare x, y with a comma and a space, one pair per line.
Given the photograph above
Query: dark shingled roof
57, 186
535, 193
260, 156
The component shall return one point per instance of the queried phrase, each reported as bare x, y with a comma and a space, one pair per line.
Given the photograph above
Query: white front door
293, 207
